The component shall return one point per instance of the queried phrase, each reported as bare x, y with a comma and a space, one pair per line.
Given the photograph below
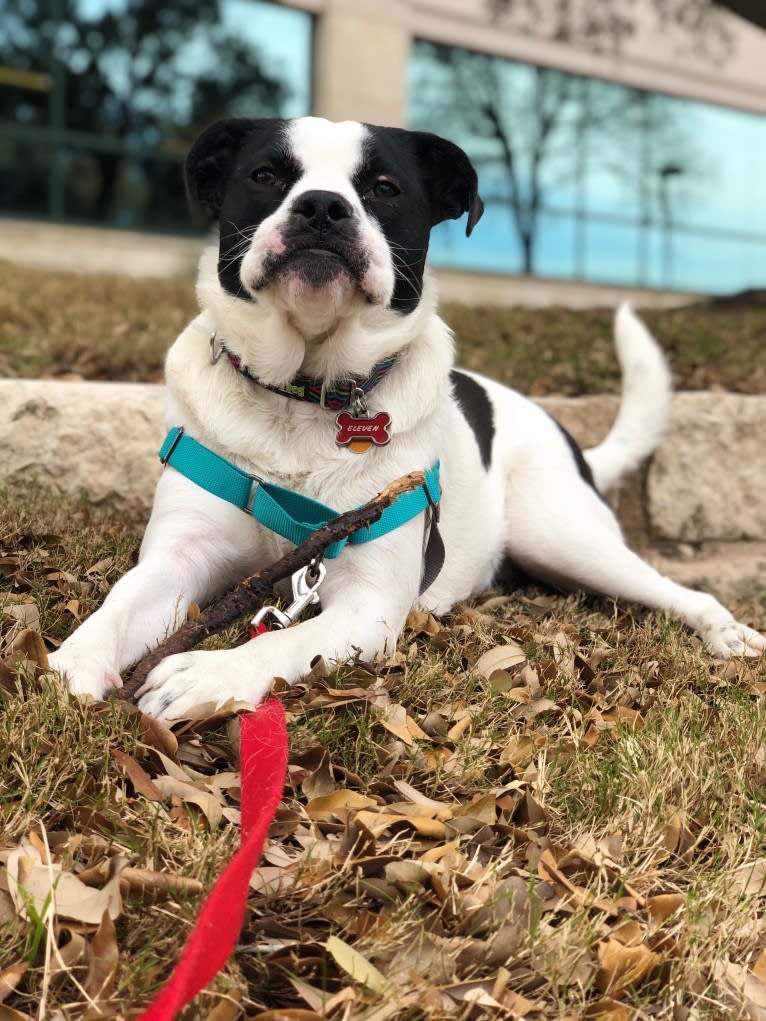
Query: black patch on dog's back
477, 410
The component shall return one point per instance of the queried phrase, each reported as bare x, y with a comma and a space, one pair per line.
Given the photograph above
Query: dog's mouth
318, 267
315, 265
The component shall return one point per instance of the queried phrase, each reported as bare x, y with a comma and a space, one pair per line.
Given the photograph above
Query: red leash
263, 765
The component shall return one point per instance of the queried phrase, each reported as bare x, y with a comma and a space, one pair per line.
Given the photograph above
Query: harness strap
289, 514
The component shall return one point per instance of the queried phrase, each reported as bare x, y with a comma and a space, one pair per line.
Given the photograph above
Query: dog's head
315, 214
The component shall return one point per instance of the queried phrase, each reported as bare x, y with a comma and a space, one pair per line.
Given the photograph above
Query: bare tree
144, 75
535, 134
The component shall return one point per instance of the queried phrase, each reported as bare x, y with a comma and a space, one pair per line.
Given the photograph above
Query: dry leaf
288, 1014
664, 905
228, 1008
459, 729
521, 750
758, 967
483, 807
9, 1014
29, 880
743, 990
750, 879
621, 966
337, 805
28, 646
502, 657
10, 978
358, 967
402, 726
138, 776
103, 960
21, 609
211, 806
416, 797
422, 623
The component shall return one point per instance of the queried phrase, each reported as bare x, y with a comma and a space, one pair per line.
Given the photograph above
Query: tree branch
248, 595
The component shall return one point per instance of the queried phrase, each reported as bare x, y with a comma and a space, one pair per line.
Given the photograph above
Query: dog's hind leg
558, 530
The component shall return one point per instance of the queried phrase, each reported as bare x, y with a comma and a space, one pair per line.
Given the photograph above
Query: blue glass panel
716, 265
131, 85
555, 245
673, 192
613, 253
613, 149
722, 168
493, 246
283, 36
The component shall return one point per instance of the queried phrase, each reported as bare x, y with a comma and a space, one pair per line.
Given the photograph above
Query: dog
318, 285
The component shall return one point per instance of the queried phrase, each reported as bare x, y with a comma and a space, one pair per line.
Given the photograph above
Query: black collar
335, 395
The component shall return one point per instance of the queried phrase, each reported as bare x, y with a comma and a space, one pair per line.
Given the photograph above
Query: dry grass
111, 327
592, 843
577, 834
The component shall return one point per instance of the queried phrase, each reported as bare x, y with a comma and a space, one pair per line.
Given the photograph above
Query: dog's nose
319, 209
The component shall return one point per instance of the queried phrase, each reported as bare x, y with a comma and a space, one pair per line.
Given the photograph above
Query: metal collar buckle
216, 347
329, 385
255, 481
176, 440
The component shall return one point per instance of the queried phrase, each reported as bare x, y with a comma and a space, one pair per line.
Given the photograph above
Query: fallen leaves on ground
415, 866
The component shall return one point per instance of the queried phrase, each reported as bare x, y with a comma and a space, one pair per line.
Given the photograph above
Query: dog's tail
644, 407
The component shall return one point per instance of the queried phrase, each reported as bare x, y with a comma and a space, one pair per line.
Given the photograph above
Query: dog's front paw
84, 673
733, 639
181, 683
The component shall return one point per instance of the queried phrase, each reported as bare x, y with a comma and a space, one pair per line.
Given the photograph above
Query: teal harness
289, 514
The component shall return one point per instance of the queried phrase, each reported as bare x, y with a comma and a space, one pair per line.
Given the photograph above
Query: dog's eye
382, 189
264, 176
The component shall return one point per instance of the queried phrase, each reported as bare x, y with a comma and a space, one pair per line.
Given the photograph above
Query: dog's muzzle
321, 242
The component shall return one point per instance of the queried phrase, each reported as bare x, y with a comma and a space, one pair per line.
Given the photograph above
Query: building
628, 152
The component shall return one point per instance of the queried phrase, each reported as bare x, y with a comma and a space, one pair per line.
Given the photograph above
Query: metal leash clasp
305, 583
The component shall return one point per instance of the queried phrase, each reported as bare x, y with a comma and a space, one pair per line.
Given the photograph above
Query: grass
596, 848
580, 835
120, 328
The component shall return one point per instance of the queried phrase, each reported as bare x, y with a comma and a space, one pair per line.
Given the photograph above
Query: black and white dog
319, 287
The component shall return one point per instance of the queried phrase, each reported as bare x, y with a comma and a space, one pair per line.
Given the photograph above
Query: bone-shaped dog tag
360, 432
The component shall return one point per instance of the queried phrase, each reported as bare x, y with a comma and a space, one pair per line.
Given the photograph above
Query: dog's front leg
366, 597
187, 555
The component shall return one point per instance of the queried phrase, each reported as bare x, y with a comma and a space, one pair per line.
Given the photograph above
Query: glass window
493, 246
716, 264
114, 91
557, 244
613, 253
593, 180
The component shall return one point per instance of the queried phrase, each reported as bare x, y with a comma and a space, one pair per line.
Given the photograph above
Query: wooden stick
247, 597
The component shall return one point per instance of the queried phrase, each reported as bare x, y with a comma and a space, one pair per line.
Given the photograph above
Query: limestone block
706, 482
100, 439
708, 479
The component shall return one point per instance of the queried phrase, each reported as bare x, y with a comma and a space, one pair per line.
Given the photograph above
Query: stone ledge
706, 483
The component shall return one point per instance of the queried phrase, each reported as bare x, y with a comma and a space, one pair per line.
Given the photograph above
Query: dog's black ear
210, 160
451, 180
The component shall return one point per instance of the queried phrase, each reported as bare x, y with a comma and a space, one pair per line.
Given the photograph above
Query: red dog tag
359, 432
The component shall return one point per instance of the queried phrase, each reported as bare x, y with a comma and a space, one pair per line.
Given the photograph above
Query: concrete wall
362, 48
